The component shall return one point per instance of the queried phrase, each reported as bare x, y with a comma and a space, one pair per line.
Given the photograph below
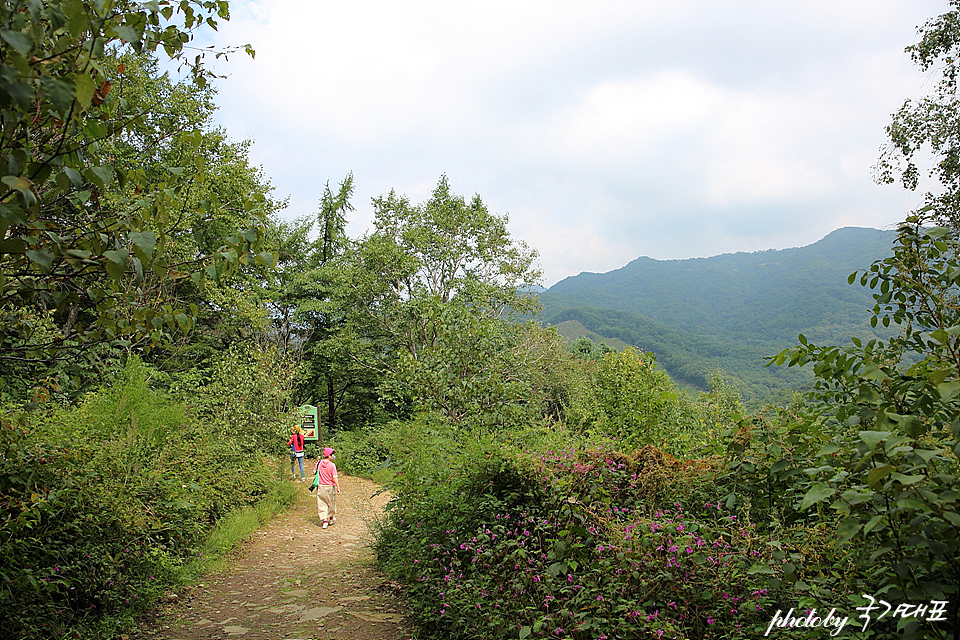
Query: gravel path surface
295, 581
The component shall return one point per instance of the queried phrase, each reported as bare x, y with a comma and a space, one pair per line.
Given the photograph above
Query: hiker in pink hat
328, 488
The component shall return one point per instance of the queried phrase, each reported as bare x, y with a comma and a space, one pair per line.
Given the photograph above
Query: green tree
636, 403
891, 473
308, 310
455, 251
223, 195
431, 293
932, 123
82, 245
585, 349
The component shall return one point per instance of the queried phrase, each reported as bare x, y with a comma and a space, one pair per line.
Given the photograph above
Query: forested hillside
729, 312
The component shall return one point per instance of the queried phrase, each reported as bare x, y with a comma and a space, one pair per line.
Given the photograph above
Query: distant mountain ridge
728, 311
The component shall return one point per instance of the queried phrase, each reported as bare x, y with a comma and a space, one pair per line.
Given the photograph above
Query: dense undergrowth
543, 534
569, 545
579, 543
105, 505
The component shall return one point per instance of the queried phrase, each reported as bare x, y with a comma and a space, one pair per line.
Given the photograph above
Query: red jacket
297, 441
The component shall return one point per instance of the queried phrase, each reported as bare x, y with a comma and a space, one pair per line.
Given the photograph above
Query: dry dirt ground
294, 580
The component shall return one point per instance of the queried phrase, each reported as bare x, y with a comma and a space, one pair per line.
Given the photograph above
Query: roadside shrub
575, 544
103, 504
362, 452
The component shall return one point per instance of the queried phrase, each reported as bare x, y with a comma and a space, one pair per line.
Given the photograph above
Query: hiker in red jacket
296, 453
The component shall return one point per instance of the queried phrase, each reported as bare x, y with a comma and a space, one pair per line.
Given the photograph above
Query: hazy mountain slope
728, 311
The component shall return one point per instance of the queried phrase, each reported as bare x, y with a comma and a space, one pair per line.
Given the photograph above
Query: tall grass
236, 527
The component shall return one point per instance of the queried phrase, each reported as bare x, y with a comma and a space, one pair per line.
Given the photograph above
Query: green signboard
310, 423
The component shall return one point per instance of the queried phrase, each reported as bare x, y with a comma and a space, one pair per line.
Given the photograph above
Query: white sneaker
324, 524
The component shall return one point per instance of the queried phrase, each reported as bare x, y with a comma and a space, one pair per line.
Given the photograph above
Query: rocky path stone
296, 581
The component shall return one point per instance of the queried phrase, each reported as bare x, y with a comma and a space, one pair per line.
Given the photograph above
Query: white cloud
609, 130
615, 125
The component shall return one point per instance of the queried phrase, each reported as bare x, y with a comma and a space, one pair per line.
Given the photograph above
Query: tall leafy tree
930, 124
432, 289
307, 308
891, 472
83, 236
455, 251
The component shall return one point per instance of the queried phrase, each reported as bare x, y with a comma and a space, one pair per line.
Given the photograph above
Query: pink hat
327, 451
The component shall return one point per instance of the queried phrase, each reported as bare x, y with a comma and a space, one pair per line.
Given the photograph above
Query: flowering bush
573, 544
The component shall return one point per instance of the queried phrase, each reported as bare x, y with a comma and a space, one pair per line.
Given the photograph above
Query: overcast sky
606, 130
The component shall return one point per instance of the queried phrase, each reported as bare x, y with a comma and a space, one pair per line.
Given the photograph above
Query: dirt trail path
294, 580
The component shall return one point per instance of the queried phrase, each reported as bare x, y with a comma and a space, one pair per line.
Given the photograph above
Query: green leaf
75, 178
13, 245
817, 493
525, 632
857, 497
85, 89
115, 270
779, 466
848, 528
949, 390
42, 257
760, 568
873, 438
117, 257
21, 92
912, 504
116, 264
731, 501
938, 376
101, 7
137, 268
17, 183
127, 34
872, 372
100, 176
828, 449
907, 480
60, 92
146, 240
877, 474
874, 524
21, 42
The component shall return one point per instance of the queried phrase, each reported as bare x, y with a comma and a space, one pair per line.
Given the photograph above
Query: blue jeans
293, 464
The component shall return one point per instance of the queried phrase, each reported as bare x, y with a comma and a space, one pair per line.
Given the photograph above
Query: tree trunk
331, 407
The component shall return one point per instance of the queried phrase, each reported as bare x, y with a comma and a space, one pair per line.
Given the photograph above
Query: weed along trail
293, 580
